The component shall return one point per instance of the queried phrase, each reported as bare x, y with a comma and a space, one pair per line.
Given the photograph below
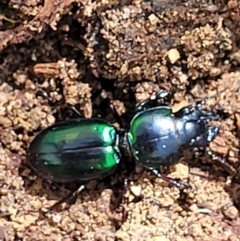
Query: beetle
85, 149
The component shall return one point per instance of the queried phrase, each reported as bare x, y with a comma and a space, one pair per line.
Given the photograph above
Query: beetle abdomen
81, 149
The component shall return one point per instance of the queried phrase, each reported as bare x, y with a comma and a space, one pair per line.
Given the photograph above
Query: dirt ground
84, 53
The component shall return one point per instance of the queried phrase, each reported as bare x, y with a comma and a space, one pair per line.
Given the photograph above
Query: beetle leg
74, 109
70, 108
72, 196
160, 98
220, 161
44, 94
180, 184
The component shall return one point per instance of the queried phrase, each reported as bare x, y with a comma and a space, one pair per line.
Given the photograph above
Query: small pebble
173, 55
136, 190
57, 218
231, 212
3, 192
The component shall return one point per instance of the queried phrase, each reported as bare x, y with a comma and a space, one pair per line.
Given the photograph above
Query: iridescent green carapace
76, 150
